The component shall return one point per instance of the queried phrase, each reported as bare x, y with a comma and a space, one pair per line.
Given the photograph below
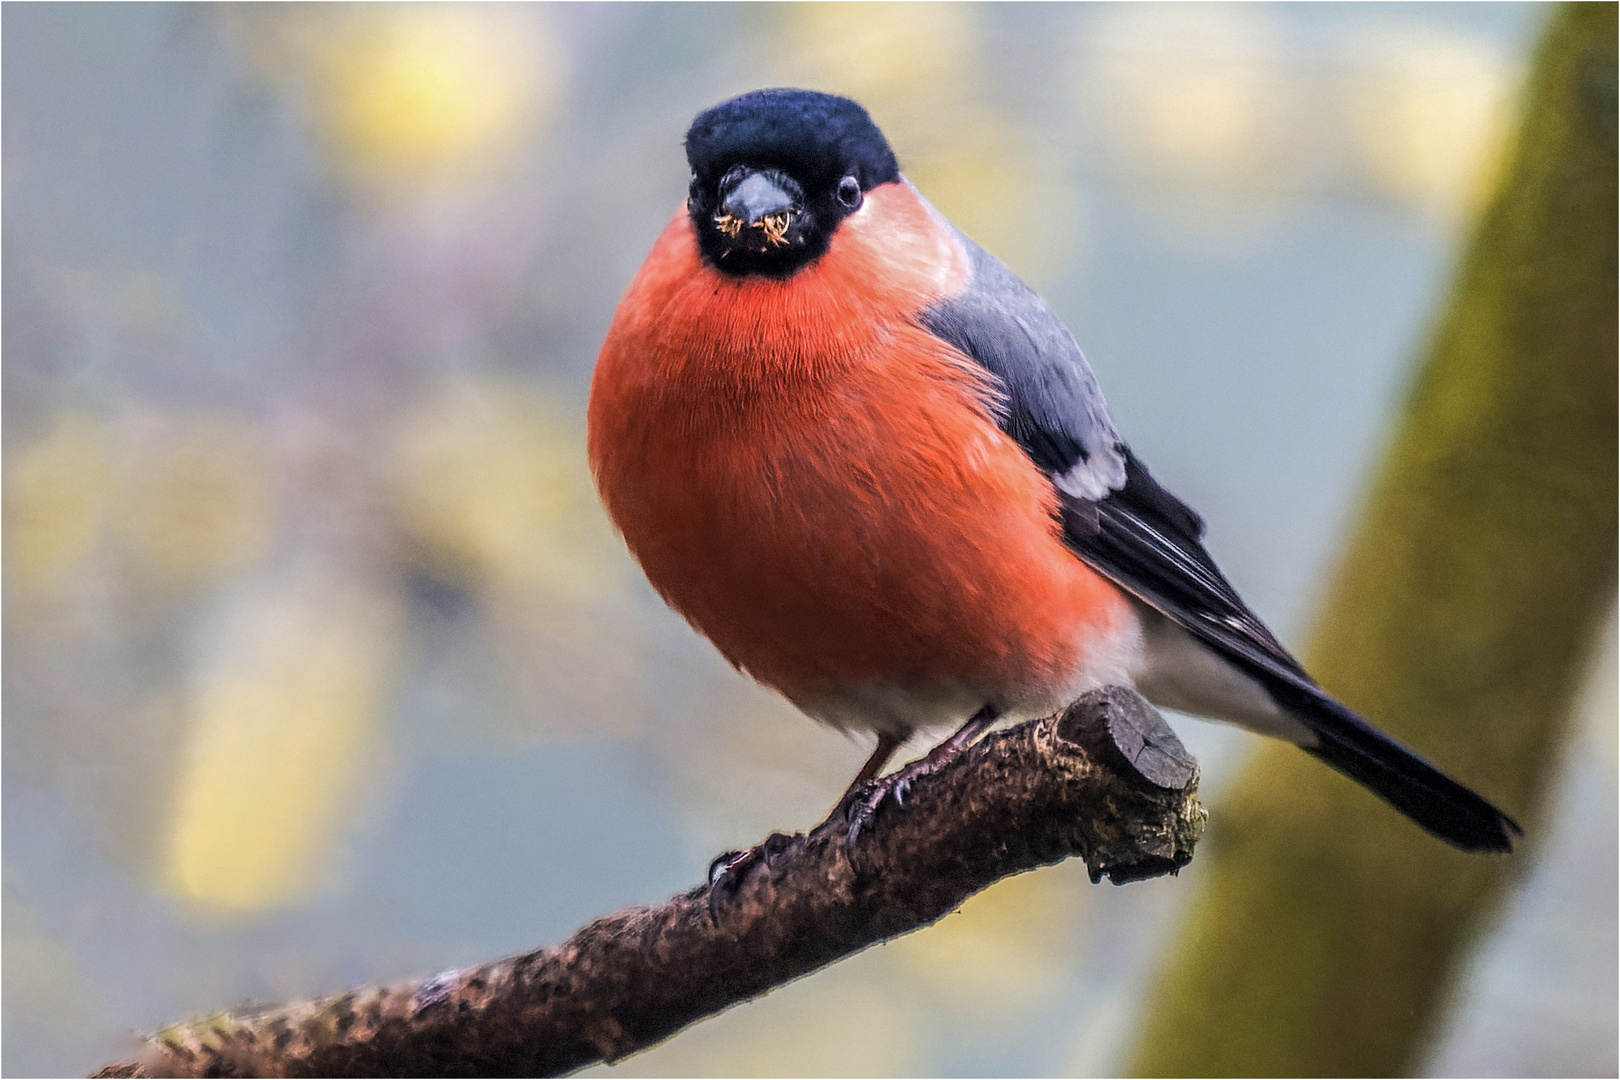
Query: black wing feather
1148, 541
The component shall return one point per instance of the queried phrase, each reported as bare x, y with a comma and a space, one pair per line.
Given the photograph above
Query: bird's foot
863, 803
863, 799
727, 871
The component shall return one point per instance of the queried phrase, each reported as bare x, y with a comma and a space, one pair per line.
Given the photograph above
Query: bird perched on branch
868, 463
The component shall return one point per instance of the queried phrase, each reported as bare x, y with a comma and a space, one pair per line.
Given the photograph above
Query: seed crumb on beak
774, 226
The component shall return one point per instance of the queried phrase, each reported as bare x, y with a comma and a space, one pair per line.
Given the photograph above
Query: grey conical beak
755, 197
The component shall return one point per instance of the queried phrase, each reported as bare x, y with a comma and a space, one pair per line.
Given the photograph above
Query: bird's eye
849, 192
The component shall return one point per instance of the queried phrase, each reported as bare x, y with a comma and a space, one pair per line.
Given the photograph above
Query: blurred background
322, 663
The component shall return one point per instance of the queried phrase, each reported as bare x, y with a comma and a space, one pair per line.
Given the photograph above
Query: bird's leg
863, 808
728, 870
887, 744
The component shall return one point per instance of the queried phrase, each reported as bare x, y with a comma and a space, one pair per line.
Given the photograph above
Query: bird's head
774, 172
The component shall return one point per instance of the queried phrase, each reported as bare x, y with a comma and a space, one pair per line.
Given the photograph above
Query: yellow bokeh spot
889, 57
846, 1020
279, 723
1190, 94
494, 484
852, 1030
1207, 120
1005, 949
196, 500
1431, 116
1001, 189
56, 500
916, 68
434, 93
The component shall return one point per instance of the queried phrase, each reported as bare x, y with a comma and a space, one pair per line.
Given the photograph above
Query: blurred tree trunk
1461, 619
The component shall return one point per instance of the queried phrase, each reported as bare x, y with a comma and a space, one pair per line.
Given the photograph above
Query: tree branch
1106, 780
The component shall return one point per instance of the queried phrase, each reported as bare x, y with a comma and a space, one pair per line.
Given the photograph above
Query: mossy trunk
1328, 927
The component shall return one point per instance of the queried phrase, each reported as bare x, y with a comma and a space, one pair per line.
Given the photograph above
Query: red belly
884, 534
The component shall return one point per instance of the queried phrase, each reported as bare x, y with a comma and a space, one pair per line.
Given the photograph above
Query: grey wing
1116, 517
1053, 405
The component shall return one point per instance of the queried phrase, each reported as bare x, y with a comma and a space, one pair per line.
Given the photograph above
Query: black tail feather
1423, 793
1145, 540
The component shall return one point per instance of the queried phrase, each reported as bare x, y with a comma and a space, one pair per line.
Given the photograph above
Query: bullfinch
865, 460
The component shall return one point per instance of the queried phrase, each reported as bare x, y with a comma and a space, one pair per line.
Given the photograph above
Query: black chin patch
749, 251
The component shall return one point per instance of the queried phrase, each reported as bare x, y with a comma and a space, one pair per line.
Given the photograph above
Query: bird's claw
727, 871
862, 808
869, 799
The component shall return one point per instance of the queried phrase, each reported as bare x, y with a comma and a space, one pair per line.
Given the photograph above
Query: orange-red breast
867, 462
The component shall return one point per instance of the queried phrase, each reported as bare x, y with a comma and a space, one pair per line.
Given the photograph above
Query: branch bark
1106, 780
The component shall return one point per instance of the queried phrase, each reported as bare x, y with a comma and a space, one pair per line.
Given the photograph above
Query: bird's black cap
817, 138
